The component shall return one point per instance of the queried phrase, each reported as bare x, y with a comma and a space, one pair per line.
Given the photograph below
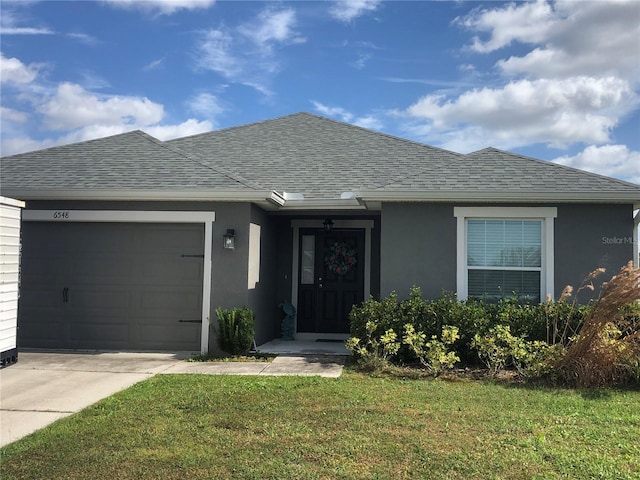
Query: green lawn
219, 427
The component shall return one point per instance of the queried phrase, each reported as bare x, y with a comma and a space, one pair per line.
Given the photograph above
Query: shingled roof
311, 156
119, 163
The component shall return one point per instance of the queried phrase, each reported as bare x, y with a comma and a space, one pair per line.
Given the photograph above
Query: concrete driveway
43, 387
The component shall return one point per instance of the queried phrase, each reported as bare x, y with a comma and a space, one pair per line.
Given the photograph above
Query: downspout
636, 239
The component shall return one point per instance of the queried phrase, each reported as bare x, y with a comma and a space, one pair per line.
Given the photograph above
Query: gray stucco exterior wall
262, 287
588, 237
417, 247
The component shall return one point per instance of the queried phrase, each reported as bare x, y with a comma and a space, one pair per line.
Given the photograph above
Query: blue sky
558, 80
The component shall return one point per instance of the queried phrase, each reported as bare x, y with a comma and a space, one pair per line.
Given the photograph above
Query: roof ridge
196, 159
327, 119
81, 142
384, 134
235, 127
556, 165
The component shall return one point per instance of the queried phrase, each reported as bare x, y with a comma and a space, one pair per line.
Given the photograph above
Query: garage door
111, 286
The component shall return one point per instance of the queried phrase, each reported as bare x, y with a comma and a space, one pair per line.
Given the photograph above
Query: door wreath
340, 259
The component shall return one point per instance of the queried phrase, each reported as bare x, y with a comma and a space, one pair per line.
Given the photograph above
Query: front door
331, 279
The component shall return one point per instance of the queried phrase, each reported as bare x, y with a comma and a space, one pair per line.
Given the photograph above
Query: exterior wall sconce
328, 225
229, 239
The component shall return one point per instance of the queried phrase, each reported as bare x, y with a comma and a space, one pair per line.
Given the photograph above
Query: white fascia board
493, 196
153, 195
333, 203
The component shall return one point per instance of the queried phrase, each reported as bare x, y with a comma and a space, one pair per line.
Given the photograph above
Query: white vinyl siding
502, 251
9, 275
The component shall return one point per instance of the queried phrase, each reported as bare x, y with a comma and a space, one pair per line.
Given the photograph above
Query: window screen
504, 257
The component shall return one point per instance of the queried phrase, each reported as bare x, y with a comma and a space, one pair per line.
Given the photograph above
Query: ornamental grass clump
606, 350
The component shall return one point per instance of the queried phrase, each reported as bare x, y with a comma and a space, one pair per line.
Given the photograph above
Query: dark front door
331, 279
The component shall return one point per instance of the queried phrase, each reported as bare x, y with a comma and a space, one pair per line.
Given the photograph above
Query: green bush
433, 353
235, 330
499, 348
540, 325
373, 350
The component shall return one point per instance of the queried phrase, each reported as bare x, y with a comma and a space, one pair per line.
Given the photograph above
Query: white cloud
84, 38
335, 112
525, 112
12, 116
205, 105
526, 22
574, 79
362, 60
347, 10
161, 7
368, 121
13, 145
246, 54
153, 65
74, 107
79, 114
611, 160
573, 38
272, 27
215, 52
184, 129
12, 70
10, 21
25, 31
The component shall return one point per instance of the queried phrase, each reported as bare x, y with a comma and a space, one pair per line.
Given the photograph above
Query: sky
555, 80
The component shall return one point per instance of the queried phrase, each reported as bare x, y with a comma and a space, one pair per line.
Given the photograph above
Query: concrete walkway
45, 386
306, 365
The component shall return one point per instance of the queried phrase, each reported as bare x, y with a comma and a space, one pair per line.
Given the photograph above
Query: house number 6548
60, 215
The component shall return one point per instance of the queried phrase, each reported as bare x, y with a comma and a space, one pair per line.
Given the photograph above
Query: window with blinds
504, 257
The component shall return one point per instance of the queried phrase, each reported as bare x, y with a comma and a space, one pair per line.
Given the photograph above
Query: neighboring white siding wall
9, 272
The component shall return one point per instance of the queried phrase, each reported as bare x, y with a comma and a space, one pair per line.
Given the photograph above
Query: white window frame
545, 214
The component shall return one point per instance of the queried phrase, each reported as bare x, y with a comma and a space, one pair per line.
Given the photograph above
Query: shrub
494, 348
383, 313
499, 348
524, 344
373, 350
433, 353
235, 330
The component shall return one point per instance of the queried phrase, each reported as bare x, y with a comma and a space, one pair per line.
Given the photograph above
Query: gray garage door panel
111, 286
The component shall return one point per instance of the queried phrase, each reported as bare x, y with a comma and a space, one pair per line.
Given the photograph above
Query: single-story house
126, 240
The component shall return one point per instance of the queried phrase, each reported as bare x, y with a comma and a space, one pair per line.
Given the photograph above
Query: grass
354, 427
252, 357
